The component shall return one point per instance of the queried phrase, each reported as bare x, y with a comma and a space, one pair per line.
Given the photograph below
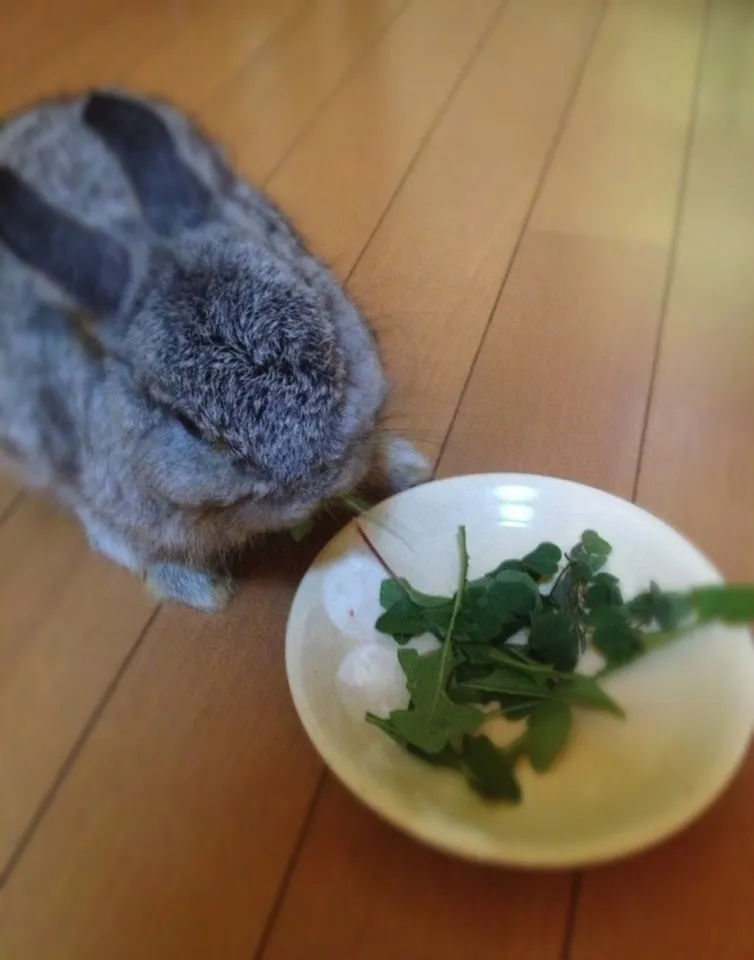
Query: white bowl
620, 785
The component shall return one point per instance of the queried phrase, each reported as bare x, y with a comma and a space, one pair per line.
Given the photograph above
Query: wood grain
346, 168
58, 676
172, 832
561, 286
458, 243
263, 105
690, 897
68, 619
562, 382
361, 890
700, 432
432, 271
103, 51
198, 810
53, 676
155, 783
38, 30
216, 43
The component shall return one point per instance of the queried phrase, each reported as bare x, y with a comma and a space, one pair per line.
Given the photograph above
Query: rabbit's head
261, 383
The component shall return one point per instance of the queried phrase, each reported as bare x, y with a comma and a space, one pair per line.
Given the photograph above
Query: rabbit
175, 365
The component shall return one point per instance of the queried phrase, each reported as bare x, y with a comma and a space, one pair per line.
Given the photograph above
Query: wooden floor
547, 206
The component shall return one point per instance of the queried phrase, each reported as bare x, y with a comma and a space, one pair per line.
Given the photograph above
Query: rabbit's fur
174, 363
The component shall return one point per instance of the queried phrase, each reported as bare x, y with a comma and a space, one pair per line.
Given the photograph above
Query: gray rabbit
174, 363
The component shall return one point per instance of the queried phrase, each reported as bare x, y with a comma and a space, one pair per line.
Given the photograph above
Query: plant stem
651, 642
559, 577
463, 577
375, 552
447, 645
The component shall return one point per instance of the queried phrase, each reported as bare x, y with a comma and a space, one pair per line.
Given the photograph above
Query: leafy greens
510, 642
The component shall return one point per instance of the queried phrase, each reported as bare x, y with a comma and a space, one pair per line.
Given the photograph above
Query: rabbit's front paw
194, 588
401, 465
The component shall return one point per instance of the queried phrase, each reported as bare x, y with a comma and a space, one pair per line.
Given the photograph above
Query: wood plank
690, 896
380, 116
361, 890
218, 42
68, 619
193, 784
565, 275
700, 438
103, 51
42, 719
263, 105
561, 384
458, 240
209, 799
35, 31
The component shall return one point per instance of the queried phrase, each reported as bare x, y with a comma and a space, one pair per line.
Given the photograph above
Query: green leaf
540, 564
581, 691
590, 555
731, 604
495, 607
641, 609
489, 770
516, 659
518, 585
477, 653
355, 504
615, 637
554, 640
390, 592
409, 613
403, 620
667, 610
517, 708
433, 720
425, 600
543, 561
586, 565
547, 732
674, 611
506, 565
604, 592
594, 544
506, 680
302, 530
386, 725
445, 758
475, 674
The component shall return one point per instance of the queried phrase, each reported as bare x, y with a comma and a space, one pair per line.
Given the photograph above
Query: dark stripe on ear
171, 196
89, 265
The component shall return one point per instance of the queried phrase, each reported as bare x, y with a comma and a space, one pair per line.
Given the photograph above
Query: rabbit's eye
217, 443
188, 425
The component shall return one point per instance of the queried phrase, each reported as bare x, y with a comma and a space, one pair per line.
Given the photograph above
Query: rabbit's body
174, 363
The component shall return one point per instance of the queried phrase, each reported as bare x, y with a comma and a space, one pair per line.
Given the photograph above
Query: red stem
375, 552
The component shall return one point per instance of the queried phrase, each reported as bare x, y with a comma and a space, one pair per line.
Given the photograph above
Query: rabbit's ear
89, 265
171, 196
